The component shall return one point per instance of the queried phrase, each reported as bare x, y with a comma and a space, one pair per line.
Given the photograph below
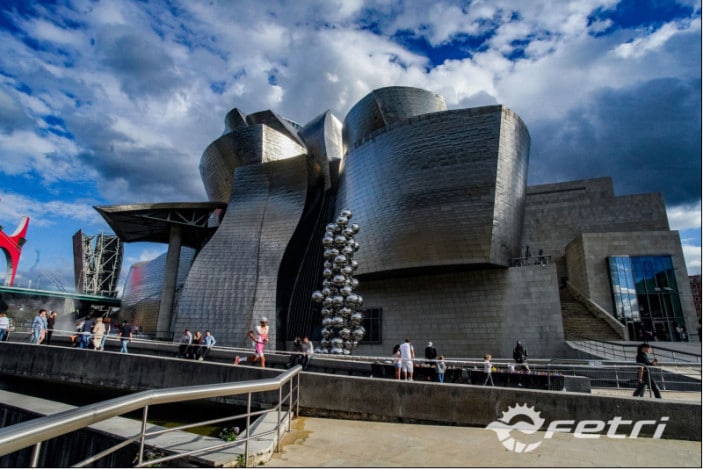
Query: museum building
455, 248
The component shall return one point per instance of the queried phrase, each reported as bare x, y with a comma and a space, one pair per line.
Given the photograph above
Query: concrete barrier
365, 398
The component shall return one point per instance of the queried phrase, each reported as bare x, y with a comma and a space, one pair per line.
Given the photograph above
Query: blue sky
113, 102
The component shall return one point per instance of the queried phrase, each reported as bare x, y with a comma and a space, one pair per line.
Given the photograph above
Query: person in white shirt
185, 341
4, 326
260, 340
487, 368
407, 356
308, 351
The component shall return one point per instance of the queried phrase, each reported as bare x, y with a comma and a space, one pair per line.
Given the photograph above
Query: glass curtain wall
646, 297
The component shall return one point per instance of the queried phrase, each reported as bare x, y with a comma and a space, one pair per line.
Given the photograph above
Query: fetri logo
502, 427
584, 429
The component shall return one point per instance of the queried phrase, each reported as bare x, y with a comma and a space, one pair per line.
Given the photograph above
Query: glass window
372, 324
644, 290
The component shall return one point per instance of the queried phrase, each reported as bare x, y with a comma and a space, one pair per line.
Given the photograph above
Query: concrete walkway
318, 442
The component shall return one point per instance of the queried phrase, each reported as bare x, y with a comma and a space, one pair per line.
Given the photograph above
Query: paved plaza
319, 442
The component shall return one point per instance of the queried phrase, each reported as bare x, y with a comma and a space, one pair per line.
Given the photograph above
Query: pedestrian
297, 356
125, 336
520, 356
308, 351
4, 326
208, 342
85, 333
185, 342
260, 339
98, 333
39, 327
50, 322
430, 352
396, 360
441, 368
195, 345
488, 369
646, 358
407, 356
108, 329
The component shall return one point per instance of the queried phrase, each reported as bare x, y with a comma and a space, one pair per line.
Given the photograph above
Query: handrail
598, 311
627, 351
21, 435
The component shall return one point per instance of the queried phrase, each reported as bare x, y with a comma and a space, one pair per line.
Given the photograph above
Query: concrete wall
588, 269
556, 213
349, 397
469, 313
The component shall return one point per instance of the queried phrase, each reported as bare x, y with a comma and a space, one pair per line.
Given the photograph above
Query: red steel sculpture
11, 245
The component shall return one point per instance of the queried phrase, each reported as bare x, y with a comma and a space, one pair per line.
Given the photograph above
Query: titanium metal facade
442, 200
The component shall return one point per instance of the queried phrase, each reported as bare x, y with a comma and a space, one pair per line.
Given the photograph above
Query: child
441, 368
487, 366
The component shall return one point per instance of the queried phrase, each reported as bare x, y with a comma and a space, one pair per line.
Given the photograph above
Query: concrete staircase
580, 323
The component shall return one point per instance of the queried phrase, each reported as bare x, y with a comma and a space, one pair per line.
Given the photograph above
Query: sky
114, 102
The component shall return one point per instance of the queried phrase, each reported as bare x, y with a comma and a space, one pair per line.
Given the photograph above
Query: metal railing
37, 431
626, 352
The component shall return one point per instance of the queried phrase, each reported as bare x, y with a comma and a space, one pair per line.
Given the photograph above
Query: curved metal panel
233, 281
442, 189
386, 106
243, 146
323, 139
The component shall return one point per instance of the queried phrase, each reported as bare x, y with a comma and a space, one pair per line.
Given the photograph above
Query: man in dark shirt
430, 352
645, 357
125, 336
520, 355
50, 322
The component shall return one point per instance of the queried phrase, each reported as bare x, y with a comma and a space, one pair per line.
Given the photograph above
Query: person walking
98, 333
430, 352
4, 326
125, 336
50, 322
488, 369
39, 327
208, 342
407, 356
308, 351
520, 356
108, 329
440, 368
646, 358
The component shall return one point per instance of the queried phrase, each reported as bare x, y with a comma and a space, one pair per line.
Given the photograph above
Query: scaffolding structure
97, 262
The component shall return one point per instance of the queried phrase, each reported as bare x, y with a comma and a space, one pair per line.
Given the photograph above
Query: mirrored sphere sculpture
341, 323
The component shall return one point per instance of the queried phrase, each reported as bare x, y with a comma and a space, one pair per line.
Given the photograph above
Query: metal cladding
323, 138
259, 143
432, 189
440, 189
386, 106
233, 281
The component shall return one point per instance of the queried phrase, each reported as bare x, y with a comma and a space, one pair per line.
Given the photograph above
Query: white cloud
692, 255
684, 217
